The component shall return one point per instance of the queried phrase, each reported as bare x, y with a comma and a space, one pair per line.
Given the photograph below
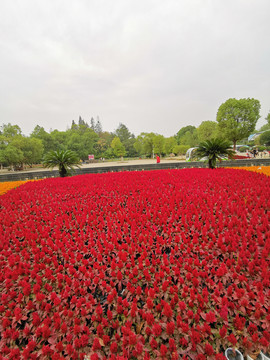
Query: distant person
254, 152
158, 159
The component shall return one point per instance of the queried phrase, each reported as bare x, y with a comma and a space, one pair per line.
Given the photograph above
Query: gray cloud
152, 65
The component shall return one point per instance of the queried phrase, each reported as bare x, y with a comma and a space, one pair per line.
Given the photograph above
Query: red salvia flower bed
136, 265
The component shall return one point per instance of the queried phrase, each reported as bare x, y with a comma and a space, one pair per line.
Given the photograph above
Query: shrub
180, 149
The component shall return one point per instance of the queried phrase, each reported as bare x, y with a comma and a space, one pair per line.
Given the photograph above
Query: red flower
157, 330
208, 349
223, 331
96, 344
132, 338
201, 357
46, 350
232, 339
119, 275
255, 337
211, 317
36, 319
45, 332
138, 290
167, 311
239, 322
31, 345
6, 323
84, 340
106, 339
170, 328
163, 350
150, 319
150, 303
252, 328
25, 354
69, 349
220, 357
59, 346
172, 345
224, 313
195, 336
114, 347
94, 357
264, 342
153, 344
247, 344
139, 348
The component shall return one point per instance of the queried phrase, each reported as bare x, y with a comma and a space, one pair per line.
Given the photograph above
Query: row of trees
236, 120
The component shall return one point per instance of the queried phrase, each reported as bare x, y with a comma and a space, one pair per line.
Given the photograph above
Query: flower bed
8, 185
259, 169
135, 265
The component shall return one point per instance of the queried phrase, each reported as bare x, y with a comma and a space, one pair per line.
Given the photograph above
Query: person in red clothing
158, 159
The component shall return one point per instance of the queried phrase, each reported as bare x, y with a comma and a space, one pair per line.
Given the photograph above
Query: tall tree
102, 146
74, 126
207, 130
158, 142
237, 118
138, 145
126, 138
123, 133
31, 148
3, 145
169, 144
144, 144
118, 147
98, 126
264, 138
81, 121
180, 149
82, 141
267, 125
59, 139
10, 131
47, 139
190, 138
268, 118
92, 124
12, 156
181, 133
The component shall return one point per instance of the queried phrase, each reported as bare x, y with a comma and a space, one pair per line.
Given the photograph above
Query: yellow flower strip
259, 169
8, 185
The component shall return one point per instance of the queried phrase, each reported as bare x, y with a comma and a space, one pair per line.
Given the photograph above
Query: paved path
102, 164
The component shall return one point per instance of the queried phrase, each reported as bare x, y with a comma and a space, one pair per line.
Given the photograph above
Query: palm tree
64, 159
213, 150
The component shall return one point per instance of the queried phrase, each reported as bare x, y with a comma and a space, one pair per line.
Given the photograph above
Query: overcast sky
153, 65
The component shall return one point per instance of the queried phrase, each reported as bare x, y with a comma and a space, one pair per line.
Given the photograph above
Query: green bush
265, 138
243, 149
180, 149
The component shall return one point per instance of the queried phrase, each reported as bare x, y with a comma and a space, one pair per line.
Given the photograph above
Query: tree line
236, 120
